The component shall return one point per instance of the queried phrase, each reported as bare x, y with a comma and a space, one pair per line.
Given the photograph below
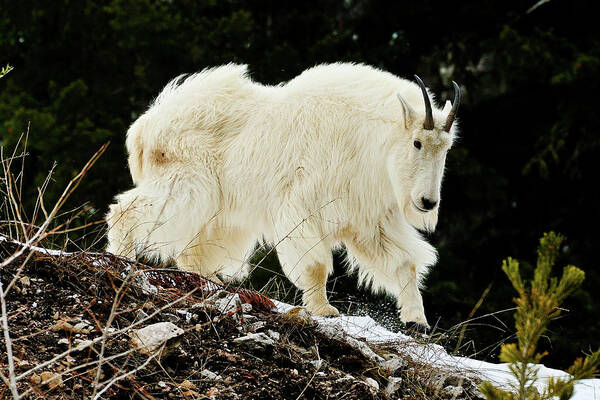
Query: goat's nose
428, 204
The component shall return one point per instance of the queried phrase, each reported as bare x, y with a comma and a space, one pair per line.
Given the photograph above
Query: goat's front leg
409, 297
394, 262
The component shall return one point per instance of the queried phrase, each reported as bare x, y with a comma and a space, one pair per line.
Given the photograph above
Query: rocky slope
88, 325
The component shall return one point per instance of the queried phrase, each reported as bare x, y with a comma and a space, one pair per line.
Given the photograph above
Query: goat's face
416, 163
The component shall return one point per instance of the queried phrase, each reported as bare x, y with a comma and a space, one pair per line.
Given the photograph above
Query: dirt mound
77, 320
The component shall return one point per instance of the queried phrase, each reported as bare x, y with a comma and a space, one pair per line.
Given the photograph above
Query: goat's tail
135, 149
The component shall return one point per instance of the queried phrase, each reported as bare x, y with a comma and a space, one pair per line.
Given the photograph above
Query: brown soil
58, 301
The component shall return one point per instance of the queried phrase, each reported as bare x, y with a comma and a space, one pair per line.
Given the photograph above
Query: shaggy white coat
326, 159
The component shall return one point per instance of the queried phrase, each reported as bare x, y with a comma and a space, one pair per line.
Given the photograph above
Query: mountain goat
343, 154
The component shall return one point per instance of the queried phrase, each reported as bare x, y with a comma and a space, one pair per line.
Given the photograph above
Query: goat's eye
417, 144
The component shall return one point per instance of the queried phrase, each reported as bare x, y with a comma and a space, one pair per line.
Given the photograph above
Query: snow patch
367, 329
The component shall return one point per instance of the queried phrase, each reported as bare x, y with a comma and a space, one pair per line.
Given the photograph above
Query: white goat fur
326, 159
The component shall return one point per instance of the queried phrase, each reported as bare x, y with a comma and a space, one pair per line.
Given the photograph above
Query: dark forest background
526, 162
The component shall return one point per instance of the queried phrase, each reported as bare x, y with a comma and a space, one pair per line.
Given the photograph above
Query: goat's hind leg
308, 265
159, 219
219, 251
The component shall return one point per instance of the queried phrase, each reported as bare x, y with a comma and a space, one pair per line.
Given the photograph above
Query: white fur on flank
328, 158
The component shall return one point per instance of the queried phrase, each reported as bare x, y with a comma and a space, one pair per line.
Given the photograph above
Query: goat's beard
420, 220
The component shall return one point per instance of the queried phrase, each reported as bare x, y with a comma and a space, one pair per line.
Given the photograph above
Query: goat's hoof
326, 310
417, 328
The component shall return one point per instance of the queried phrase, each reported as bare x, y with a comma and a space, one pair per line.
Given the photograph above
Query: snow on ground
364, 327
34, 248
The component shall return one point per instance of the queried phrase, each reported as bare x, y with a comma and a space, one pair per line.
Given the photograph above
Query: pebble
453, 391
150, 338
51, 379
210, 375
393, 385
187, 385
81, 344
273, 334
372, 382
393, 364
140, 315
225, 302
259, 341
35, 379
257, 326
300, 315
246, 307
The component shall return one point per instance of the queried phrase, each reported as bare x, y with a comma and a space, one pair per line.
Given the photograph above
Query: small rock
185, 313
225, 302
81, 327
187, 385
35, 379
141, 280
62, 325
453, 391
246, 307
210, 375
393, 385
317, 364
51, 379
257, 341
372, 382
273, 334
456, 380
392, 365
25, 281
299, 315
150, 338
140, 315
81, 344
161, 384
249, 317
64, 341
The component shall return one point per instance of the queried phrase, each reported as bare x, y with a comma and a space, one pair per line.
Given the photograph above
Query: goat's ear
408, 113
447, 107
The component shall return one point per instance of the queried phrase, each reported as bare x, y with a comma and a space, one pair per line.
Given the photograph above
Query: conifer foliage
538, 303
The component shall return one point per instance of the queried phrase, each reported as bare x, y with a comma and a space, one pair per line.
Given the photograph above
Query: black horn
455, 104
428, 123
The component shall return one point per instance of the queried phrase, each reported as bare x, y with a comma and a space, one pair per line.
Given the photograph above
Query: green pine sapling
538, 303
